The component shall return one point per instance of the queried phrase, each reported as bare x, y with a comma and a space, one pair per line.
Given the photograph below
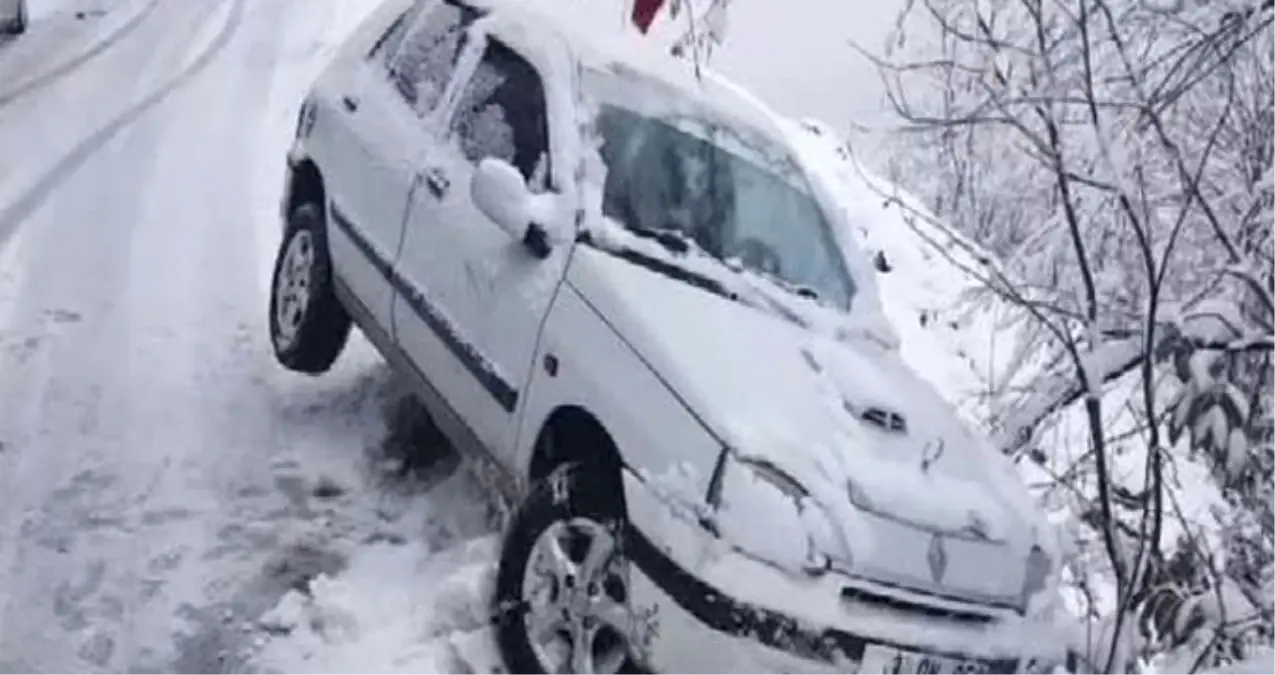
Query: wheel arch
305, 186
571, 433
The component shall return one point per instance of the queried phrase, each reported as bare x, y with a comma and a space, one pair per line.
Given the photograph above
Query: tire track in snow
76, 482
29, 201
56, 73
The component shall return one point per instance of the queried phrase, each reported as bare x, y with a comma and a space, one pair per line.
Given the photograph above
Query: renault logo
937, 557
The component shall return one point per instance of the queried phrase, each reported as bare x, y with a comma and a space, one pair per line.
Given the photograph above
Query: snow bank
971, 350
964, 341
962, 346
398, 608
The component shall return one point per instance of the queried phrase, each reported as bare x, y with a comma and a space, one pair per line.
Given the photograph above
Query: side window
502, 113
388, 44
424, 63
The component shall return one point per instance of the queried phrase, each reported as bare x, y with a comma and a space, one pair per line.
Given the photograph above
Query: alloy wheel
576, 590
292, 288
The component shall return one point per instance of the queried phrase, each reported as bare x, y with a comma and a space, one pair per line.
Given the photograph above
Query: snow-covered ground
162, 482
169, 498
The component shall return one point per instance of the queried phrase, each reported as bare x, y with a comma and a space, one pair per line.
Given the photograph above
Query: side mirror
499, 191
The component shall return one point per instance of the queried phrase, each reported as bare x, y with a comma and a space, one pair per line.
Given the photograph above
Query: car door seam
398, 251
466, 351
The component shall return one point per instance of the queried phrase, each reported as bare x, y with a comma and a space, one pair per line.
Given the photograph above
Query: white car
612, 276
13, 16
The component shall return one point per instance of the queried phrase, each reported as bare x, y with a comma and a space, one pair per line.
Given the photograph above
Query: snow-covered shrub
1116, 158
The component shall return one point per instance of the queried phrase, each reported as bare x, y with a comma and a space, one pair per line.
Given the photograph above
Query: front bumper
734, 614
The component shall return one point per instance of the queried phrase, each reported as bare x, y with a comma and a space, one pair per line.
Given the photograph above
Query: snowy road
162, 481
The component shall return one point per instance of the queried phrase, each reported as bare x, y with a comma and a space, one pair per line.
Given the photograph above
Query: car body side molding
478, 365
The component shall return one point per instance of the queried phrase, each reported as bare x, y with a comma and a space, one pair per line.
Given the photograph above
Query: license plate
882, 659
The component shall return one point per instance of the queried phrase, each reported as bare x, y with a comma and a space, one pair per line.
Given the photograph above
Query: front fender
597, 371
667, 548
669, 522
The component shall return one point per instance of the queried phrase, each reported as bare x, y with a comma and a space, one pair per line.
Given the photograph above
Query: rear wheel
562, 588
308, 325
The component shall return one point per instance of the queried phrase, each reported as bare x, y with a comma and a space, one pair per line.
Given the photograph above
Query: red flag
644, 12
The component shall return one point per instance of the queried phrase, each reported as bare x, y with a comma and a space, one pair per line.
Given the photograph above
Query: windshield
739, 199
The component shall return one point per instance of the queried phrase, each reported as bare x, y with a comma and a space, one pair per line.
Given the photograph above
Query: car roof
621, 49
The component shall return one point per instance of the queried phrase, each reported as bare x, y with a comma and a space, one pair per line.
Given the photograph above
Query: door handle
437, 182
350, 102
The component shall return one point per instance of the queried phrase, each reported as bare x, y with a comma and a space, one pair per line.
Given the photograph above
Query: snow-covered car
13, 16
608, 272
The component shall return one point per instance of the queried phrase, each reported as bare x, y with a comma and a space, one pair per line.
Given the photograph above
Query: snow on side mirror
499, 191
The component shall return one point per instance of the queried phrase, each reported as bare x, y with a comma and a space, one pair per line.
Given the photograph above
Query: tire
572, 500
308, 325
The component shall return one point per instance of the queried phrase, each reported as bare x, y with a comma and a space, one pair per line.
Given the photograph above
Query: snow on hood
813, 372
775, 391
794, 396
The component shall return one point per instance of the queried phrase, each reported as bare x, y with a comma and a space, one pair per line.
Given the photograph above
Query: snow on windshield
673, 168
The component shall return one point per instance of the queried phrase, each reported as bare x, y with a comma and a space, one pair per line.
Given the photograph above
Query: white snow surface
163, 482
160, 476
398, 609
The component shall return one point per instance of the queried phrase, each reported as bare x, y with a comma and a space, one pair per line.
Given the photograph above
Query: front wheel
308, 325
562, 587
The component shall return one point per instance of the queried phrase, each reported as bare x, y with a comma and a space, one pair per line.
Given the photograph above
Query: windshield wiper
665, 267
800, 290
676, 241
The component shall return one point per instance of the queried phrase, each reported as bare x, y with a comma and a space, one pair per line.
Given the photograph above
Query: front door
483, 296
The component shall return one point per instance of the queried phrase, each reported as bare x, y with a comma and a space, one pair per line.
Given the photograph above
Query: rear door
481, 296
367, 141
431, 333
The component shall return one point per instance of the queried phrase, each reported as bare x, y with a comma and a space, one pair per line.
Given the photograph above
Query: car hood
851, 421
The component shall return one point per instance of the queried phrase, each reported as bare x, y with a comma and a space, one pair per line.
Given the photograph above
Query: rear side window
502, 114
388, 44
426, 59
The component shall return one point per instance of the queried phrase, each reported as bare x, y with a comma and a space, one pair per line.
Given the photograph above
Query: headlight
768, 515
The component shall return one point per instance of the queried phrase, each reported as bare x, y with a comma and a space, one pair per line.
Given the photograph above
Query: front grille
893, 603
885, 419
